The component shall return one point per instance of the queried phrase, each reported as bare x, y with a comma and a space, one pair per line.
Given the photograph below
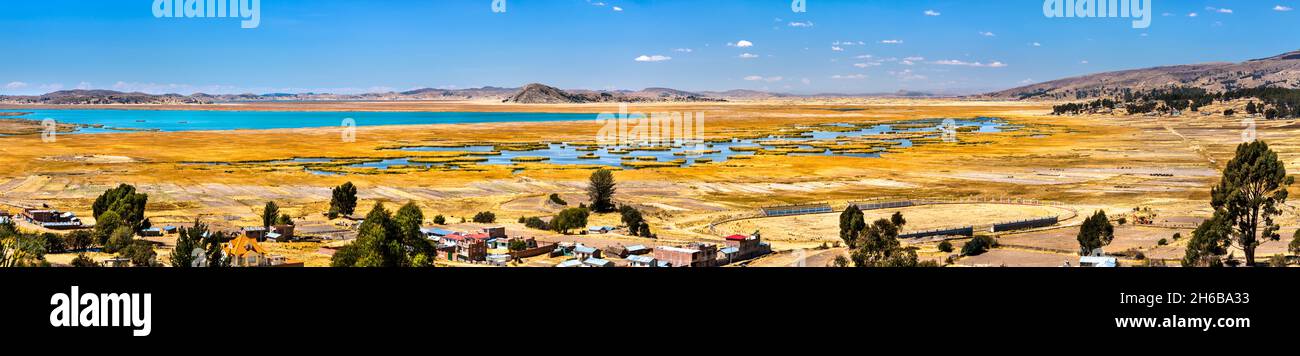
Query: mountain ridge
1282, 71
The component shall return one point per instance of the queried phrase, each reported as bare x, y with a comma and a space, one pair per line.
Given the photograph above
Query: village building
585, 252
597, 262
117, 262
469, 248
639, 250
741, 247
642, 261
571, 263
52, 219
245, 251
693, 255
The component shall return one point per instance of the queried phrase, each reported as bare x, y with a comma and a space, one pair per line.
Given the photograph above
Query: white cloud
954, 62
748, 56
1036, 44
987, 34
837, 48
1027, 81
1218, 10
84, 86
932, 13
907, 75
618, 9
654, 58
1192, 15
741, 44
806, 81
801, 24
1282, 8
1083, 61
759, 78
867, 64
683, 50
15, 85
849, 76
891, 42
918, 58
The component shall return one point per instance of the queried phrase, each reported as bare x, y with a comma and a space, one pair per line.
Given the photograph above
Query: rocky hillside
543, 94
100, 97
1281, 71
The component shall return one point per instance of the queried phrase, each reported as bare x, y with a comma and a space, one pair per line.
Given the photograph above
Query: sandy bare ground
825, 227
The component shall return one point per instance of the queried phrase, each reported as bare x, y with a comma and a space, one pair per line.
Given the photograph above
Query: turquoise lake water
170, 120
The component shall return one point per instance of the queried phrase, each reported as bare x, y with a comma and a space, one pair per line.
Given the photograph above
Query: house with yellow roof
245, 251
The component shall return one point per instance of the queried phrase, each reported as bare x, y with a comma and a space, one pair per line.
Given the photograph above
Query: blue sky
843, 46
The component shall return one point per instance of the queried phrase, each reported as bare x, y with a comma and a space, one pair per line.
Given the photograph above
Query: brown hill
1281, 71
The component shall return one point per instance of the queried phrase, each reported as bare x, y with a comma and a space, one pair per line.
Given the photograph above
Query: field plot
825, 227
1127, 237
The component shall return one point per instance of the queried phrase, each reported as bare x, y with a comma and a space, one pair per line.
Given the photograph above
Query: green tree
1253, 186
945, 247
878, 246
440, 220
409, 220
140, 253
80, 240
187, 240
213, 246
119, 240
569, 219
852, 222
601, 191
343, 199
486, 217
379, 243
270, 214
632, 218
54, 243
518, 245
1294, 246
105, 225
125, 202
978, 245
284, 219
1096, 232
1209, 243
83, 261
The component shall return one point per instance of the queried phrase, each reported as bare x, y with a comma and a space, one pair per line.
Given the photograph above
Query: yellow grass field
1087, 163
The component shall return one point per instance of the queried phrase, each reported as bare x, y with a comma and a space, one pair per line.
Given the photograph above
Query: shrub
555, 198
1162, 242
485, 217
536, 223
440, 220
979, 245
83, 261
945, 246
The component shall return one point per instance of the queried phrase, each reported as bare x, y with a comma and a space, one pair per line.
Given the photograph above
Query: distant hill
543, 94
1282, 71
100, 97
529, 94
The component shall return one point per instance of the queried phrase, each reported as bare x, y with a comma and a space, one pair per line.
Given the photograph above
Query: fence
961, 231
797, 210
1025, 224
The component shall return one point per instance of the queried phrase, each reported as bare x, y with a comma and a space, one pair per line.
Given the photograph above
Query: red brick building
693, 255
